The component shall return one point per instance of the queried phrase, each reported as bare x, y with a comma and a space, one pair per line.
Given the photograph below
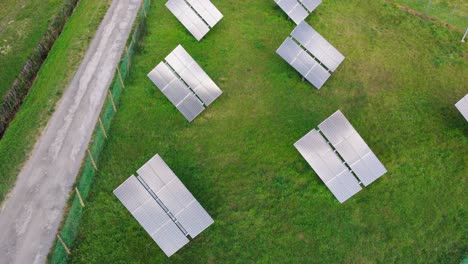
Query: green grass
398, 86
454, 12
53, 78
22, 24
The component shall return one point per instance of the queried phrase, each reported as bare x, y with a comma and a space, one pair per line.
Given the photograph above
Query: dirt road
31, 215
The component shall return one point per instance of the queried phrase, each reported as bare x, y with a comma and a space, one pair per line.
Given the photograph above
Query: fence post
112, 101
64, 245
120, 77
79, 197
92, 160
103, 128
464, 35
428, 7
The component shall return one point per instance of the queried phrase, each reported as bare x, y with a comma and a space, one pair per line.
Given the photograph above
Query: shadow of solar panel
318, 46
300, 60
328, 166
462, 106
350, 145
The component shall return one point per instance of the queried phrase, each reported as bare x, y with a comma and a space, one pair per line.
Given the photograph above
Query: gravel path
30, 216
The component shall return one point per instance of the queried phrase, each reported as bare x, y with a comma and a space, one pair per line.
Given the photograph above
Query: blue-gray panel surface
318, 46
462, 106
161, 75
191, 107
188, 18
300, 60
293, 9
207, 11
328, 166
310, 5
352, 148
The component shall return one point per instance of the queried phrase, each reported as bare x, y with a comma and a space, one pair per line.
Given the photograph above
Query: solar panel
350, 145
195, 77
328, 166
207, 11
462, 106
163, 206
198, 16
150, 216
298, 10
318, 46
303, 62
310, 5
175, 196
185, 83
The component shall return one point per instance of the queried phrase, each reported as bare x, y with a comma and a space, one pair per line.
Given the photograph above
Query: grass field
398, 86
454, 12
53, 78
22, 24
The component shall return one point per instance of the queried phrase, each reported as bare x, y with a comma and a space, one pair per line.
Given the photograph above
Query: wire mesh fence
69, 229
452, 12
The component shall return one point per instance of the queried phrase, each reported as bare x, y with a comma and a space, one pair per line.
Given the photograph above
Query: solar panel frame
462, 106
328, 166
193, 75
293, 9
318, 46
188, 17
352, 148
310, 5
150, 215
207, 11
303, 62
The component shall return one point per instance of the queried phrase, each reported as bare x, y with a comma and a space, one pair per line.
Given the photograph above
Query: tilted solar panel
185, 83
350, 145
195, 77
187, 16
175, 196
318, 46
293, 9
150, 216
207, 11
310, 5
300, 60
462, 106
328, 166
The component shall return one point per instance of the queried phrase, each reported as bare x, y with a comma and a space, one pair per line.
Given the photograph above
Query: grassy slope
398, 87
454, 12
22, 24
53, 78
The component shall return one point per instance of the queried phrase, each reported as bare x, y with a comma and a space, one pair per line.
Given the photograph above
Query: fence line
69, 229
22, 84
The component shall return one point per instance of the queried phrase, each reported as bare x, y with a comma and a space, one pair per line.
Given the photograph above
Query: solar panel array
310, 54
298, 10
198, 16
336, 171
165, 208
185, 83
462, 106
